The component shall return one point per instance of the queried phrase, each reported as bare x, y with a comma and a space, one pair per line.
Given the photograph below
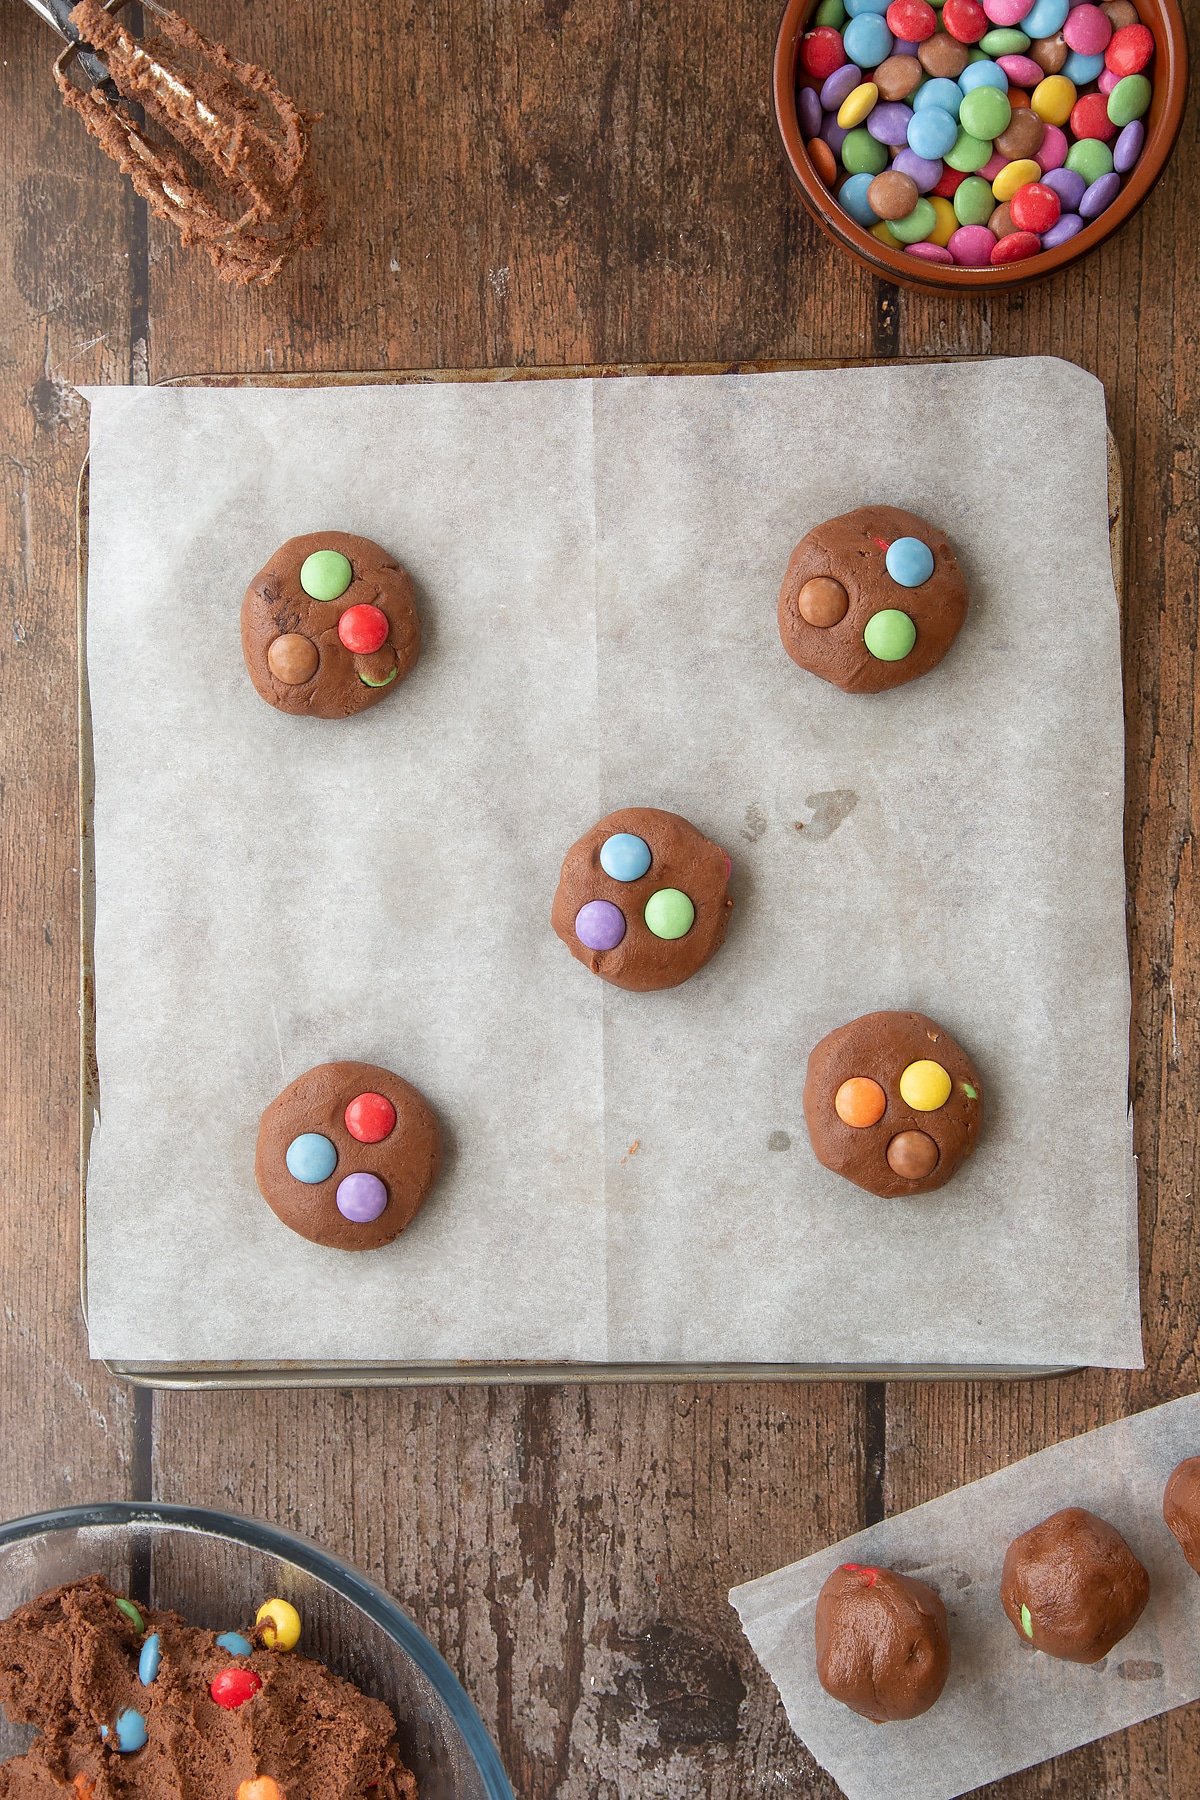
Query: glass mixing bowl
216, 1569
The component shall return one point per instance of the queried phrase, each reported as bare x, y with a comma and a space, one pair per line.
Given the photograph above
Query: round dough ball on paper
1072, 1587
883, 1647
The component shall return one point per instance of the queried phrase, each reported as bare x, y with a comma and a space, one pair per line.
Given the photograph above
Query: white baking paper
629, 1177
1004, 1707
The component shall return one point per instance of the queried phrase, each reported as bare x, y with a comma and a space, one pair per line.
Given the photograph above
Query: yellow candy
1052, 99
925, 1086
1015, 175
857, 105
884, 235
279, 1624
947, 224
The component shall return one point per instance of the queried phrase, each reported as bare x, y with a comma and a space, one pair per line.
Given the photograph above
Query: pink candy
1021, 69
971, 246
1053, 151
1006, 12
1108, 80
1087, 30
936, 253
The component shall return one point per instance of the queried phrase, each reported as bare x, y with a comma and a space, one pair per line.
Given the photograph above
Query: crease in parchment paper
597, 565
1004, 1707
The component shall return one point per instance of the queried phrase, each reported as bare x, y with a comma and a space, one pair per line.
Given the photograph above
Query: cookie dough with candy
882, 1645
347, 1154
1181, 1508
872, 599
329, 625
892, 1103
642, 899
1072, 1587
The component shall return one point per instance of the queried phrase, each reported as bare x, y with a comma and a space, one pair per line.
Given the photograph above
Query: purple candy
808, 111
1067, 184
600, 925
843, 81
924, 170
1063, 228
1102, 193
934, 253
834, 134
361, 1198
1128, 146
888, 122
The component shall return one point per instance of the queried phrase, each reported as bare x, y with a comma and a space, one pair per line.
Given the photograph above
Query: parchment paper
597, 564
1003, 1707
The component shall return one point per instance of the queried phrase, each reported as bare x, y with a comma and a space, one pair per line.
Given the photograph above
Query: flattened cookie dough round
642, 899
347, 1154
872, 599
329, 625
892, 1103
1181, 1508
1072, 1587
883, 1648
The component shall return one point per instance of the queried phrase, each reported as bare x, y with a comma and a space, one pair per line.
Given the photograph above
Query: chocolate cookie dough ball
892, 1103
882, 1644
347, 1154
871, 599
641, 899
329, 626
1181, 1508
1072, 1586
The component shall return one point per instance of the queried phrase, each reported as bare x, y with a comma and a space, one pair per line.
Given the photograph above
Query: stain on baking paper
779, 1140
1140, 1671
829, 811
632, 1150
756, 823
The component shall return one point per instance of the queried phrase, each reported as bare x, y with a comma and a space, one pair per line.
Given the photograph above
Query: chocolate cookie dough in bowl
329, 626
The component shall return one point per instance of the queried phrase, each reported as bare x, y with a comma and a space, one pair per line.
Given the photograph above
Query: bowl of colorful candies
167, 1649
977, 144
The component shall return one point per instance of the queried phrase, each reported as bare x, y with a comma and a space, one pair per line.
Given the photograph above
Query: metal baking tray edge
382, 1374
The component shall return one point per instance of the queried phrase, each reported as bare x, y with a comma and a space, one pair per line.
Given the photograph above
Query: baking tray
388, 1374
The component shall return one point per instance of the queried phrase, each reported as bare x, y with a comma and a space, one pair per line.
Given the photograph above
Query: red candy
821, 52
1035, 207
948, 182
233, 1687
870, 1576
363, 629
1089, 118
1129, 50
965, 20
911, 20
370, 1118
1016, 247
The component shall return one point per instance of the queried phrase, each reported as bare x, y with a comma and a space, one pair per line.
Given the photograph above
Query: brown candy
1181, 1508
892, 195
1001, 221
1022, 136
823, 601
896, 77
1119, 13
292, 658
912, 1155
1050, 53
881, 1641
943, 55
1072, 1587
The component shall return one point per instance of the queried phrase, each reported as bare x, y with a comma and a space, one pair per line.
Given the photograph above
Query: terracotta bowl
1169, 73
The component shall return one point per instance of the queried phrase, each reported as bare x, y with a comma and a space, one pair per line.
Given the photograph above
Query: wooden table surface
558, 181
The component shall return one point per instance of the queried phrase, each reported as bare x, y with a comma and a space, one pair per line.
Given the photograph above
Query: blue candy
866, 40
1045, 17
149, 1659
855, 7
853, 196
1082, 69
909, 562
932, 132
625, 857
235, 1643
940, 92
311, 1158
130, 1729
983, 74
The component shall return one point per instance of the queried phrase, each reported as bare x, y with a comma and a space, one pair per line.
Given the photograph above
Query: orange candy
823, 161
263, 1787
85, 1787
860, 1101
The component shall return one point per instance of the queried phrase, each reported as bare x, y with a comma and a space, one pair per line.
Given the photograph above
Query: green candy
969, 1091
917, 225
890, 634
975, 54
864, 155
367, 682
984, 113
669, 914
1090, 158
1129, 99
831, 12
325, 575
967, 153
973, 201
1026, 1622
131, 1613
1006, 40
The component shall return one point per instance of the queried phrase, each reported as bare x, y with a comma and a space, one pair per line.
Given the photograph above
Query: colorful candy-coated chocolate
130, 1612
1129, 100
925, 1085
1026, 1621
860, 1102
1035, 207
883, 231
932, 133
925, 171
836, 88
1004, 41
278, 1624
263, 1787
1082, 69
939, 92
1128, 147
984, 73
993, 166
968, 152
1089, 116
1015, 247
823, 161
929, 252
867, 40
1130, 50
1068, 185
1102, 193
823, 602
128, 1731
942, 56
854, 7
912, 21
974, 201
1021, 69
863, 154
912, 1155
361, 1197
1053, 151
1069, 226
1090, 158
1107, 81
669, 914
898, 77
853, 196
918, 225
370, 1118
1022, 136
856, 107
235, 1644
363, 629
908, 561
972, 246
1045, 17
325, 575
889, 123
821, 52
1050, 54
1014, 175
945, 222
292, 658
149, 1659
889, 634
949, 182
1005, 13
964, 20
831, 12
311, 1158
624, 856
1000, 224
808, 111
232, 1688
380, 680
1087, 30
600, 925
1053, 98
